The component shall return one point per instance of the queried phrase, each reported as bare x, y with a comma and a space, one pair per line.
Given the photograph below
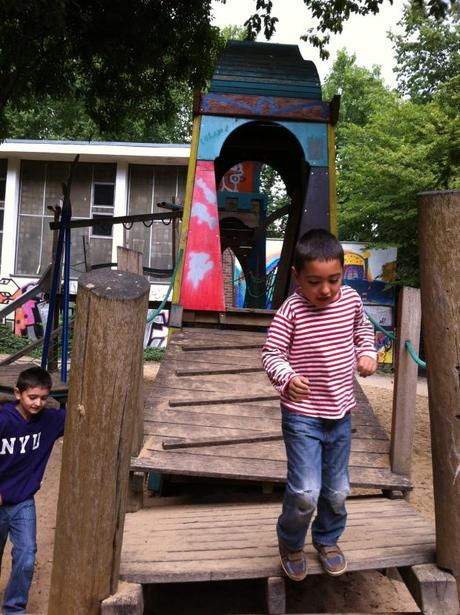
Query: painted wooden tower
264, 106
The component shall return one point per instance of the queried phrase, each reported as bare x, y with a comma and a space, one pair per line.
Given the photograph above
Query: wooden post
405, 386
131, 260
108, 340
439, 233
275, 593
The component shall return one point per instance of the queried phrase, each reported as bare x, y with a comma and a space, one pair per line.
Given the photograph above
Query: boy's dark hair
34, 377
317, 245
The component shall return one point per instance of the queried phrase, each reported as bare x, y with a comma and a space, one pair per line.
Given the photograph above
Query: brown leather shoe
293, 563
332, 559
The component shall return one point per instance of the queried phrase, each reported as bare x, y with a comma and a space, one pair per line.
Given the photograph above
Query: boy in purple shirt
28, 431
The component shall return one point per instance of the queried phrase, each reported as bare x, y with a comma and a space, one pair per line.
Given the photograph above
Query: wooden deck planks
211, 384
9, 375
209, 542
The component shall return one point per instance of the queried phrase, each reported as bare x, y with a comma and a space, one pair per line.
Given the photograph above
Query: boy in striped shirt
317, 338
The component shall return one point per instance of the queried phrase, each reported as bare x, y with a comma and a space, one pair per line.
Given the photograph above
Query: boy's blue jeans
317, 451
19, 521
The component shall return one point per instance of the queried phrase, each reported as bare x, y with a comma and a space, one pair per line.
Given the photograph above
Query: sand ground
369, 592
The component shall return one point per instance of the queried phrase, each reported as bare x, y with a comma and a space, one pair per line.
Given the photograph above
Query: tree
331, 15
362, 90
121, 59
402, 150
427, 52
274, 188
117, 59
52, 117
388, 149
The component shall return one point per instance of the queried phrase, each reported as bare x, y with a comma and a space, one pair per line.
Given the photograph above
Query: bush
154, 354
11, 343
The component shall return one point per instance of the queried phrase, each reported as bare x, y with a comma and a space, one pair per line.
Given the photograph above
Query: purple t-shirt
25, 447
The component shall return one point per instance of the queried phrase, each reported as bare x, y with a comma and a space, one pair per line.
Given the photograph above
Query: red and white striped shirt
321, 343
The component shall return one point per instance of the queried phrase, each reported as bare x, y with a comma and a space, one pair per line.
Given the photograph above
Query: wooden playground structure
212, 414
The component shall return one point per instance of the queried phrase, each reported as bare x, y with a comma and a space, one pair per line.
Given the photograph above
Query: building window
3, 168
41, 188
149, 185
102, 207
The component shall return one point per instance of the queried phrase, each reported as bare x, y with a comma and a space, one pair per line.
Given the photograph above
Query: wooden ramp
168, 544
211, 386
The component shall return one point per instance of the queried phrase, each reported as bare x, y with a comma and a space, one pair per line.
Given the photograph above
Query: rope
168, 292
413, 354
389, 334
410, 349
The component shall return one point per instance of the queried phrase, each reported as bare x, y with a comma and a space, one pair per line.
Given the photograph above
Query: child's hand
366, 366
298, 388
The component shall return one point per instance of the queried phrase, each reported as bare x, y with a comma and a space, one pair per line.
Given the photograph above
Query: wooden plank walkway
211, 385
9, 375
167, 544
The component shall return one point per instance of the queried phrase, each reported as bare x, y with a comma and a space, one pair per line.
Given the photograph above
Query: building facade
111, 179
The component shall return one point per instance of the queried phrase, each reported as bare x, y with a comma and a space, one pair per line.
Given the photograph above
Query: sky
364, 36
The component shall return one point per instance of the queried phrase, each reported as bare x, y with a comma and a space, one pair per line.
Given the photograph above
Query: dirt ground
369, 592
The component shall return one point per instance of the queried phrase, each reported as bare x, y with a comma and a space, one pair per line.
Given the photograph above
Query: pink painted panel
202, 285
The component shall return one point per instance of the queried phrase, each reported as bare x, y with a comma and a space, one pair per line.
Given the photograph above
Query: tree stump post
108, 340
439, 245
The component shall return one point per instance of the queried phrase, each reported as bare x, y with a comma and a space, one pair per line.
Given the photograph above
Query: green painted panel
266, 69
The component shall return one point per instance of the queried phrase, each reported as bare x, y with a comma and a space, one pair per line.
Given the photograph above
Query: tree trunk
439, 241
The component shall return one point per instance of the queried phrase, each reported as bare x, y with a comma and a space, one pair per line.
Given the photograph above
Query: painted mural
27, 318
30, 319
156, 331
243, 177
369, 271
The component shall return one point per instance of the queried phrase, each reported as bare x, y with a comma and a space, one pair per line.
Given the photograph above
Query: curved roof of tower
265, 69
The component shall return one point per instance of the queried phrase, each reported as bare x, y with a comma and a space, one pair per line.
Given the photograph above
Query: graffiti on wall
156, 331
27, 317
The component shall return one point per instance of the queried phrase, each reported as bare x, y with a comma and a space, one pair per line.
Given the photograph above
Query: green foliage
389, 149
117, 60
427, 52
330, 16
361, 90
153, 354
117, 69
273, 187
11, 343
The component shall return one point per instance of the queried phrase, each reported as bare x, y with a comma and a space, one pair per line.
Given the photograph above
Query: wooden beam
405, 386
175, 443
275, 593
433, 589
439, 232
128, 600
108, 340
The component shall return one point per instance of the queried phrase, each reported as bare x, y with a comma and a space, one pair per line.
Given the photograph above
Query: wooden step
228, 542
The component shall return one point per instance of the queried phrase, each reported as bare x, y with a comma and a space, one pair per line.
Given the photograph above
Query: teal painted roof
265, 69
